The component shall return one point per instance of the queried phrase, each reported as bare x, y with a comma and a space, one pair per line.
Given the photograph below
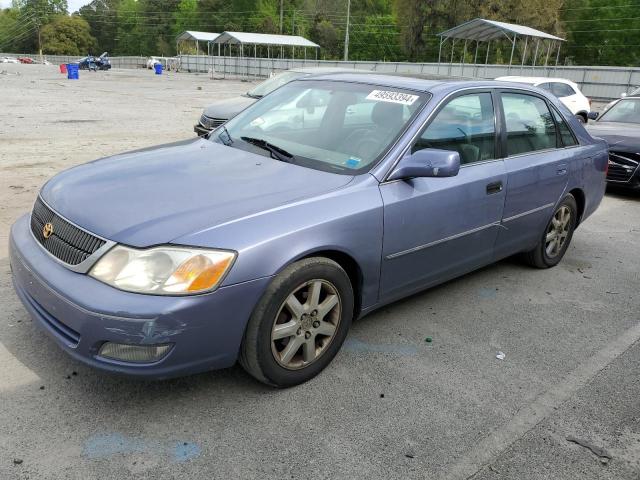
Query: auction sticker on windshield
392, 97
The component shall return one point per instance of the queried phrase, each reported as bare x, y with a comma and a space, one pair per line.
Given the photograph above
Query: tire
540, 256
273, 328
581, 118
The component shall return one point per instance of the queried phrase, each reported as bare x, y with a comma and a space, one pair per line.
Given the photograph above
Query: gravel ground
390, 406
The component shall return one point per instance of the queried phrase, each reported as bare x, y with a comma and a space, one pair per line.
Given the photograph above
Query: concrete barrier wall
598, 83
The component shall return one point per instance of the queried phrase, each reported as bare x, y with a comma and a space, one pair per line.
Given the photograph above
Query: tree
10, 29
66, 35
102, 18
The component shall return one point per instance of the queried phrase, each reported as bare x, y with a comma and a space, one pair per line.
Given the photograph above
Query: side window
562, 90
566, 135
465, 125
545, 86
529, 124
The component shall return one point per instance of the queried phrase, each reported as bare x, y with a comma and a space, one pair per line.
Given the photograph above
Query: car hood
156, 195
229, 107
619, 136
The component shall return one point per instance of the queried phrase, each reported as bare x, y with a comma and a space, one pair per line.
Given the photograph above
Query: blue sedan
325, 200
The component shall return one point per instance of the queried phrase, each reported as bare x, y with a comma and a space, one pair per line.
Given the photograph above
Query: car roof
321, 70
408, 81
534, 80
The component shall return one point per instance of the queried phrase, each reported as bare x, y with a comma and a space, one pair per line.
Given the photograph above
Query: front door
438, 228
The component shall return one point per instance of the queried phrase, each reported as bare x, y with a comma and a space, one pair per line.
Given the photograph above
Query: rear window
562, 90
566, 136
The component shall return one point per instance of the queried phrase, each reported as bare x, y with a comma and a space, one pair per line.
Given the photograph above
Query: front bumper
81, 313
200, 130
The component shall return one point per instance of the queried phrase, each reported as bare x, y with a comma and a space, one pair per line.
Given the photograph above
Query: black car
620, 127
95, 63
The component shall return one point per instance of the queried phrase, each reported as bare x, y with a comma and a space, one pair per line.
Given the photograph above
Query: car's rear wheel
557, 235
299, 324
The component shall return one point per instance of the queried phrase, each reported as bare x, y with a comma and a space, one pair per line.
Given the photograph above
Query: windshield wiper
275, 151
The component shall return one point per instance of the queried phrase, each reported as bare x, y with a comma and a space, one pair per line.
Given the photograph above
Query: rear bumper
81, 313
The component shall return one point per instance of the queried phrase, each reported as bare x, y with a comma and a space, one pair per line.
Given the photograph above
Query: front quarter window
327, 125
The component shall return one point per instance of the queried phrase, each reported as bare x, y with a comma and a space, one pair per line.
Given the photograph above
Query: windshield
326, 125
271, 84
626, 110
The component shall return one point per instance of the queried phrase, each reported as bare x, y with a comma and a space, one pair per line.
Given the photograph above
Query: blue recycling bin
73, 71
158, 68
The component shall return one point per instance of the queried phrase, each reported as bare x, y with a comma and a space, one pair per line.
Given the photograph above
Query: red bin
63, 68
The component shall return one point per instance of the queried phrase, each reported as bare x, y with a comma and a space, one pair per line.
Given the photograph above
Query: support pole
440, 53
464, 54
486, 60
475, 59
558, 56
535, 55
546, 59
281, 15
524, 54
346, 33
513, 47
453, 43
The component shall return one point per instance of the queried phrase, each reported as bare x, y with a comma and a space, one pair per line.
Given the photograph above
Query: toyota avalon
323, 201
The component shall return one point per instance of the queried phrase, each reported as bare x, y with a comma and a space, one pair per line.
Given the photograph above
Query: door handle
495, 187
562, 169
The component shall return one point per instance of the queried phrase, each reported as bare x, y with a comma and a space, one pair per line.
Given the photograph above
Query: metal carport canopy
484, 30
197, 36
264, 39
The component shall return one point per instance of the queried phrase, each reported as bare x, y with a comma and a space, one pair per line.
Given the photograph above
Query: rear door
537, 166
438, 228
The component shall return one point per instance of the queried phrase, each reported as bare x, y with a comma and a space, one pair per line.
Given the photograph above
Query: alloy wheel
558, 232
306, 324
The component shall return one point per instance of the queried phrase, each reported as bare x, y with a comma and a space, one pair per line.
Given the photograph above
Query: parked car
27, 60
620, 127
568, 92
634, 93
9, 60
271, 237
222, 110
93, 63
151, 61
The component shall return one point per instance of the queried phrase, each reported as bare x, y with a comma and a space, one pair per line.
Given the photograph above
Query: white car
151, 61
9, 60
566, 91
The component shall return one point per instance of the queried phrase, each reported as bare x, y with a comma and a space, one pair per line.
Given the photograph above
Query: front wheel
299, 324
556, 237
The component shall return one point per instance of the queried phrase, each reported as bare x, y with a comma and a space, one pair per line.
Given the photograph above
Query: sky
74, 5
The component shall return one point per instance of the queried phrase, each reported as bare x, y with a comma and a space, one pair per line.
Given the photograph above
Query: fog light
134, 353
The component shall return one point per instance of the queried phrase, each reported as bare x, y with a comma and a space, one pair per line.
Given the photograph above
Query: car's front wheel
299, 324
557, 235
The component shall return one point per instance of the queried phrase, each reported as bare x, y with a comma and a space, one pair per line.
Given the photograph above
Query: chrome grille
67, 243
211, 123
622, 166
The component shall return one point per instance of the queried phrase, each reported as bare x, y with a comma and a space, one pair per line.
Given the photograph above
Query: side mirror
428, 162
593, 115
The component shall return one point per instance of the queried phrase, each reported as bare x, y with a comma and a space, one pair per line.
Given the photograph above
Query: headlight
163, 270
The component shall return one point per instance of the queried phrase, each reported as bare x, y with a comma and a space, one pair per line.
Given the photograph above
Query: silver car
219, 112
